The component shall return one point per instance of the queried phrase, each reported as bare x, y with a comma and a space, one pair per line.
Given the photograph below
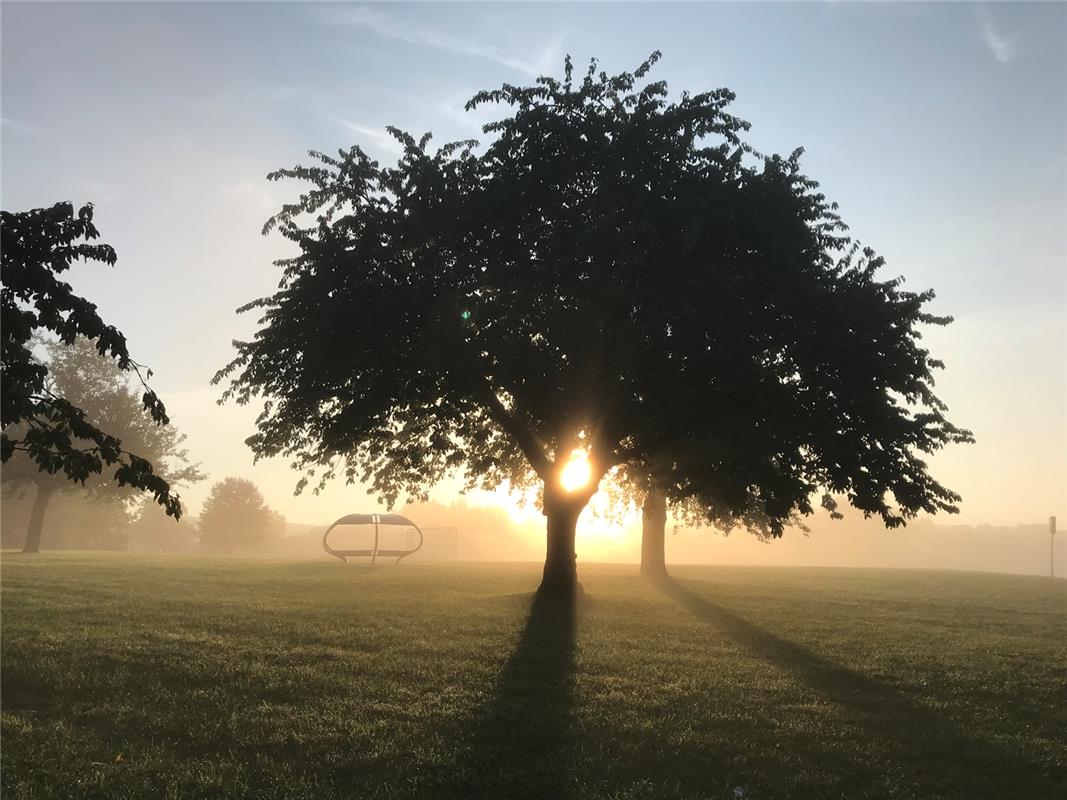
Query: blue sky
941, 129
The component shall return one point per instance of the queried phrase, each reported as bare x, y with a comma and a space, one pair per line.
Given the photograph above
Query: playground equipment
376, 520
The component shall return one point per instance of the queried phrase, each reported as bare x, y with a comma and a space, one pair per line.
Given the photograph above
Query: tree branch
522, 435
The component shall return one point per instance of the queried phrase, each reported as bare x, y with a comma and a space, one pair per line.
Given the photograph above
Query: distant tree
51, 430
615, 273
276, 526
235, 515
77, 518
105, 400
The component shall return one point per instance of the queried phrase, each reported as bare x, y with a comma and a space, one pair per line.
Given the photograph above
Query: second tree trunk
653, 529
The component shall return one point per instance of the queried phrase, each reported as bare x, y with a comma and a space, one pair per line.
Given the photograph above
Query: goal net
439, 544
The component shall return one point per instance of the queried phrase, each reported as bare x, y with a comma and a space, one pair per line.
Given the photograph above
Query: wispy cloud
21, 127
389, 27
1003, 47
379, 137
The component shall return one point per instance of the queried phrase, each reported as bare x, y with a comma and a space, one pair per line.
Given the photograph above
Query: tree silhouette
52, 431
235, 514
96, 386
616, 273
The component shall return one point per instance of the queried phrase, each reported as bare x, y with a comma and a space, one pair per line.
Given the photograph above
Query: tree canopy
102, 392
52, 431
235, 514
615, 271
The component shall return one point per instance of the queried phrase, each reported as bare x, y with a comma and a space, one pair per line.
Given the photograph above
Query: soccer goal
438, 544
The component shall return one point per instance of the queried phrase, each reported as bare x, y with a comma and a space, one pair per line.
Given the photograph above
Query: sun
577, 472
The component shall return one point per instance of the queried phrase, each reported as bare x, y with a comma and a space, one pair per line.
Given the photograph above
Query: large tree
612, 258
101, 391
54, 433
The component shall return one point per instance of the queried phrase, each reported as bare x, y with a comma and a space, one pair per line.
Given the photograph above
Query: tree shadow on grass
918, 751
521, 741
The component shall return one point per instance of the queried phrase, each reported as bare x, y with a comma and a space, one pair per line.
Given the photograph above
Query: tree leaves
53, 432
614, 265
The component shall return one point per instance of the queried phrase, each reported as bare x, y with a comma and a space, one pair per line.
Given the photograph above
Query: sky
940, 129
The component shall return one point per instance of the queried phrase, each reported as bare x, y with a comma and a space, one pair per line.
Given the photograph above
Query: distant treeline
489, 534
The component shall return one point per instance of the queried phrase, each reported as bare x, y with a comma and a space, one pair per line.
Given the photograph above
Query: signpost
1051, 547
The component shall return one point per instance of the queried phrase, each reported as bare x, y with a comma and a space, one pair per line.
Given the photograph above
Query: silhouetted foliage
55, 433
235, 514
101, 392
617, 272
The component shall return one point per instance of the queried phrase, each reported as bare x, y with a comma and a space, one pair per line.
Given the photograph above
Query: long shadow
934, 756
521, 743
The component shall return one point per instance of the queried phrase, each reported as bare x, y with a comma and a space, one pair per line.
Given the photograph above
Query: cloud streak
379, 137
1004, 48
390, 28
21, 127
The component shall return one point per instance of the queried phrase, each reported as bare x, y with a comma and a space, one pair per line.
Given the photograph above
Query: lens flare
576, 472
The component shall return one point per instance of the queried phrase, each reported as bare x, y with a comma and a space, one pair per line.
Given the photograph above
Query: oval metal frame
376, 520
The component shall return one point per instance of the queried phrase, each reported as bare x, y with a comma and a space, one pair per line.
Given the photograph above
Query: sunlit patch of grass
139, 676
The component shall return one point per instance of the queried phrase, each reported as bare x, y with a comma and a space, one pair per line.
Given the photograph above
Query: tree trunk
561, 571
36, 525
653, 528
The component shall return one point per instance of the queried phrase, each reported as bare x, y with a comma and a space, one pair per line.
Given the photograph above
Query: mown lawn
134, 676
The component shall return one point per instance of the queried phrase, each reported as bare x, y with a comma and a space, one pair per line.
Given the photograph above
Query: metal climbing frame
376, 520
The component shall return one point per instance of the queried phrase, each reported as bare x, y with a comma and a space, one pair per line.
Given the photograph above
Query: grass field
129, 676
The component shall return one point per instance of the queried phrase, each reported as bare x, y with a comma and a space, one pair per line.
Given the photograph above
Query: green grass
130, 676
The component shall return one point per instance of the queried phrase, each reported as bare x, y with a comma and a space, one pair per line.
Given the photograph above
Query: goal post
439, 544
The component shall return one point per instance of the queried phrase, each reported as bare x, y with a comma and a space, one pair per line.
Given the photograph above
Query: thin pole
374, 555
1052, 547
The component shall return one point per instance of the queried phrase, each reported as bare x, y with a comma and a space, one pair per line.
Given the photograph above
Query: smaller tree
276, 526
77, 519
55, 433
101, 391
234, 514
